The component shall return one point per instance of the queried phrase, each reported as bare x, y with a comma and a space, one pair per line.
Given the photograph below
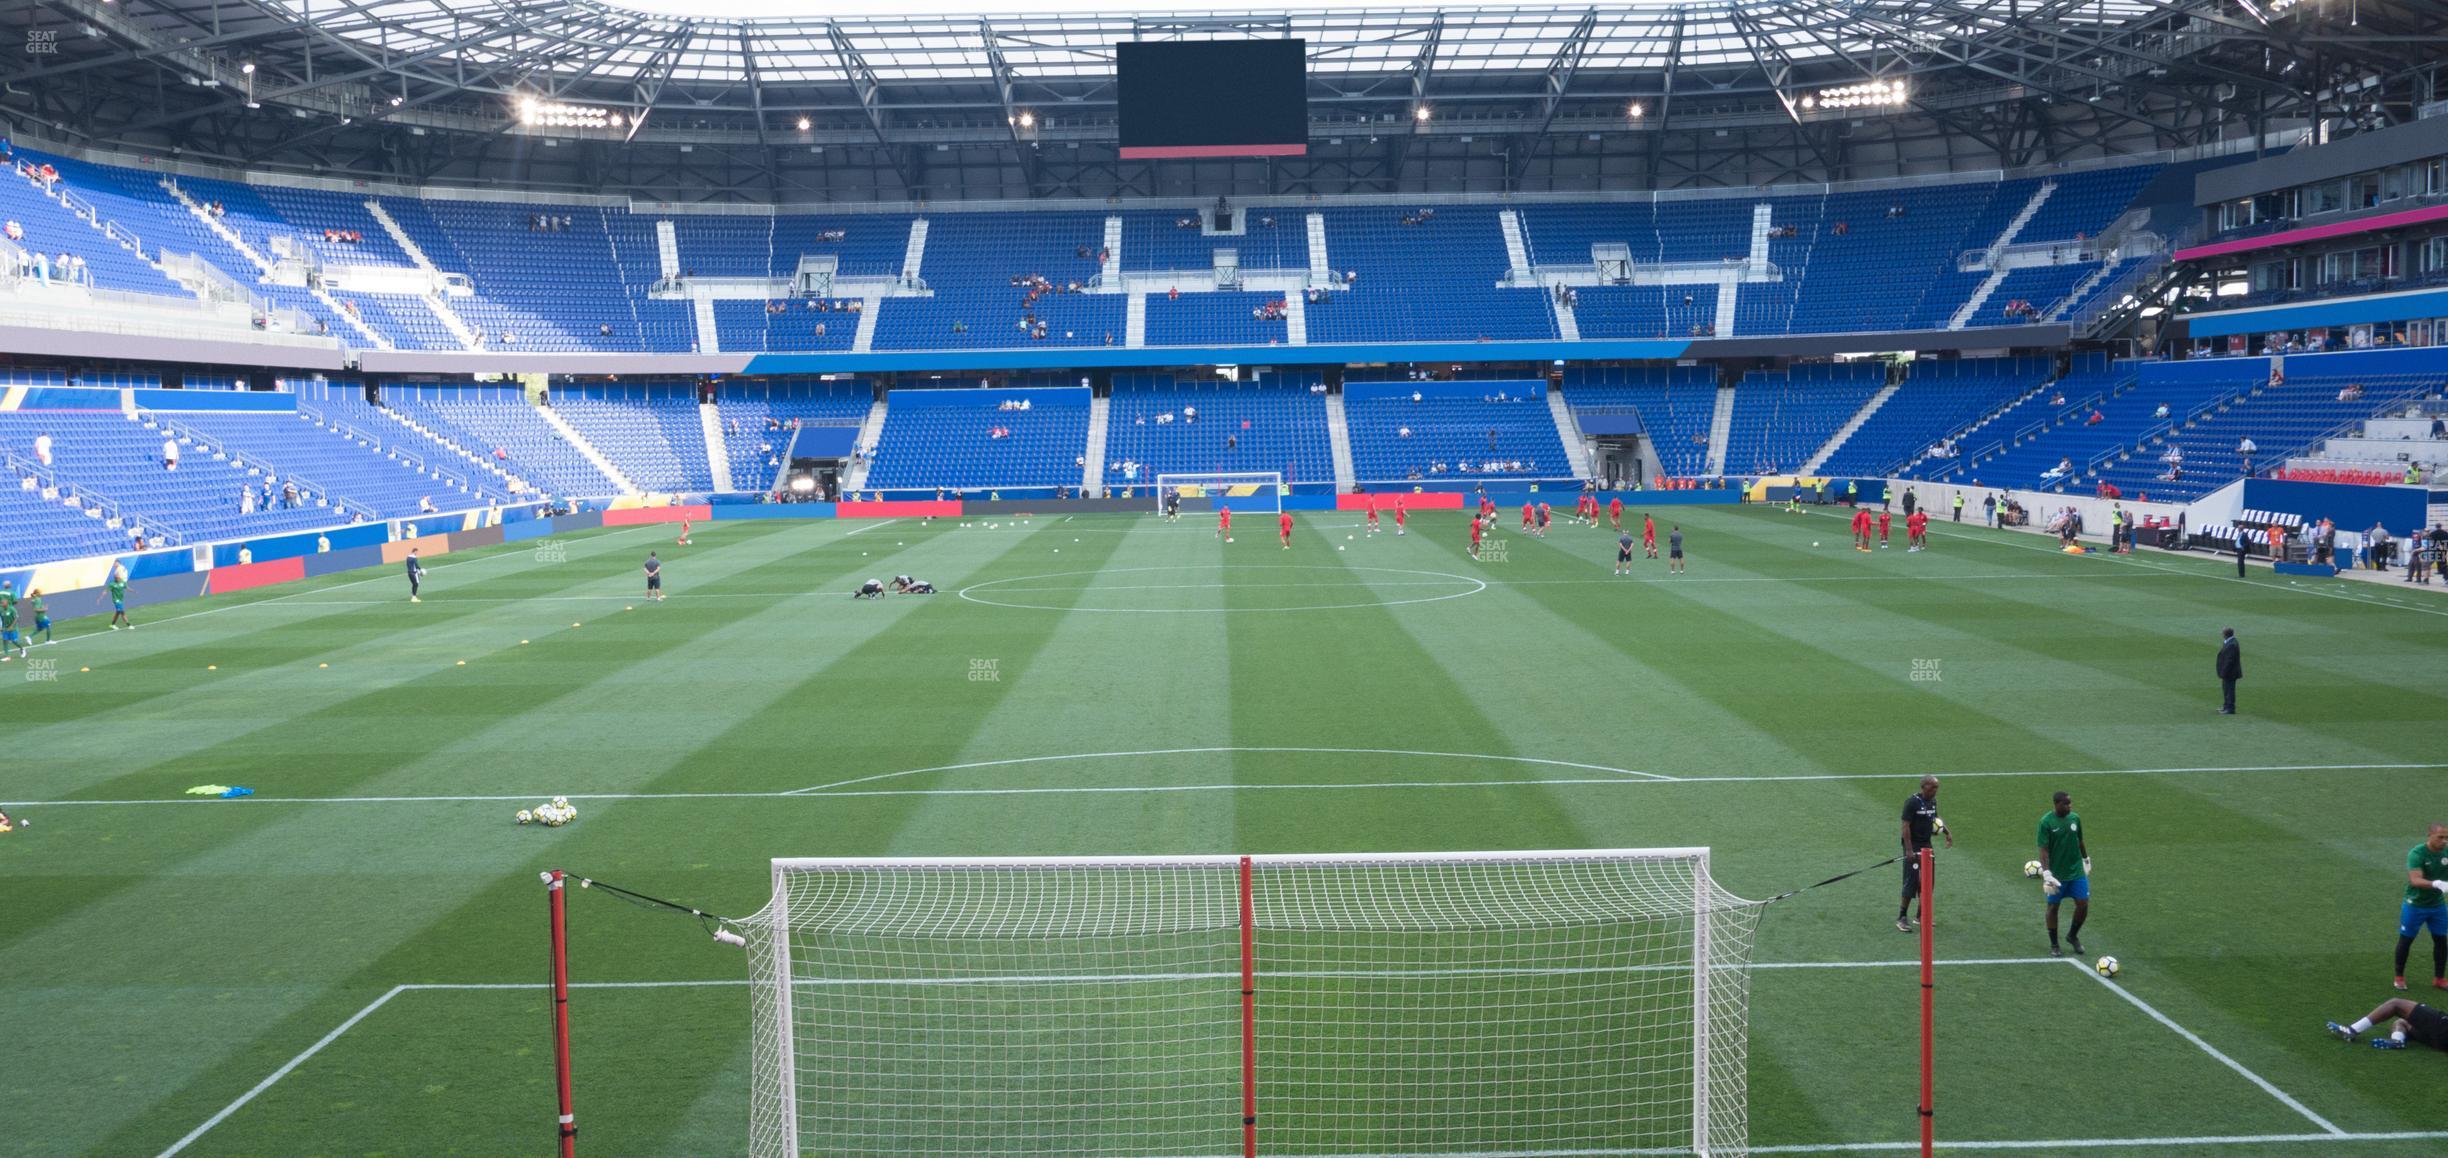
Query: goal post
1586, 1002
1249, 491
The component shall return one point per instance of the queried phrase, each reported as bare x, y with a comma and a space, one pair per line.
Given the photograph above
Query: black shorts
1912, 874
1676, 553
2428, 1026
1623, 554
654, 583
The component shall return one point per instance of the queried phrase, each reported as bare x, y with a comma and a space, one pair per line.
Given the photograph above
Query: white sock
2362, 1024
2397, 1035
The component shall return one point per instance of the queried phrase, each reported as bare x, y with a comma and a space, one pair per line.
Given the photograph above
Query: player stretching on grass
654, 577
118, 597
2065, 870
1224, 523
1283, 529
2426, 905
1920, 822
2405, 1019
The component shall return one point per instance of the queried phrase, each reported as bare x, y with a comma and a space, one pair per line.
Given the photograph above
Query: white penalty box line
2330, 1132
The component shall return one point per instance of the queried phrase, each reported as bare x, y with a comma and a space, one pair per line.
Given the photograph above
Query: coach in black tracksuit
2230, 668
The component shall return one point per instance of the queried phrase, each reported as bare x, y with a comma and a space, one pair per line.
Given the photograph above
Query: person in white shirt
42, 449
170, 454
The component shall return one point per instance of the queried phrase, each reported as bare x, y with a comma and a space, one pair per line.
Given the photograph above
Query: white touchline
2325, 1124
1623, 777
2332, 1133
1219, 750
284, 1071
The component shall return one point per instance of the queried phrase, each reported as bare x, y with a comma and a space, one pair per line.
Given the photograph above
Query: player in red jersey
1648, 534
1476, 526
1882, 529
1224, 523
1529, 516
1400, 513
1283, 529
1487, 507
1615, 512
1916, 530
1861, 528
684, 530
1372, 514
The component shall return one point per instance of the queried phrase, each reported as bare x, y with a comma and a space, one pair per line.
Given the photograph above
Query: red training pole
1249, 1018
1929, 991
560, 1009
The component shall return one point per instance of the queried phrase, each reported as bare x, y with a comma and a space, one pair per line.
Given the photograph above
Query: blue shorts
42, 623
118, 604
2078, 889
9, 636
2413, 919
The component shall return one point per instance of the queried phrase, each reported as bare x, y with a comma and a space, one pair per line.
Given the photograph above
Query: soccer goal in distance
1508, 1003
1247, 491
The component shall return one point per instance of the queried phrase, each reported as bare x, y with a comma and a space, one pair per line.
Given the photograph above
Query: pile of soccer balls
551, 814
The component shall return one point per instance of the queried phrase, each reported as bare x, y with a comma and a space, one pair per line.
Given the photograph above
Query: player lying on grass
871, 589
908, 586
2405, 1019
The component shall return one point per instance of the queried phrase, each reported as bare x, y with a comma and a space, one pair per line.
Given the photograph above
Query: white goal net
1250, 491
1586, 1002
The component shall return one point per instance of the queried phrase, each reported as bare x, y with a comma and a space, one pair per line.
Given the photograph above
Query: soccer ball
1814, 544
525, 817
2106, 966
1228, 538
560, 802
2031, 868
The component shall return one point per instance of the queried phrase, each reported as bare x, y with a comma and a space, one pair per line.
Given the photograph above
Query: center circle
1186, 590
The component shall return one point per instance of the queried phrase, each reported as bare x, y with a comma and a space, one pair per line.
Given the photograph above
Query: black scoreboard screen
1213, 98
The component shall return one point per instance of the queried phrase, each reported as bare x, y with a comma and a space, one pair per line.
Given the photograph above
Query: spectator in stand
170, 454
2246, 450
42, 449
2160, 413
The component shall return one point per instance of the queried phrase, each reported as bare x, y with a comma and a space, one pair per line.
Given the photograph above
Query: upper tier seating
1455, 430
652, 432
946, 438
1234, 426
971, 261
1433, 281
1782, 417
1675, 404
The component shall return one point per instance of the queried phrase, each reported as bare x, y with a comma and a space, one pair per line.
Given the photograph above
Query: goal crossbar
1251, 490
1321, 1004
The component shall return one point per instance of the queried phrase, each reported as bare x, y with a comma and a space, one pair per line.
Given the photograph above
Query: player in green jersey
2065, 870
8, 630
42, 614
118, 596
2426, 905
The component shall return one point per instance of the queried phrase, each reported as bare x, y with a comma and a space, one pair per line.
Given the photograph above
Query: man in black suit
2230, 667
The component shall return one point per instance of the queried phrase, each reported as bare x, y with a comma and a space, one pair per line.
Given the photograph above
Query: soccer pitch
351, 961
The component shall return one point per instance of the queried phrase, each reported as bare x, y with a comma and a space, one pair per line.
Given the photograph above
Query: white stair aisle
709, 335
1338, 442
1567, 323
667, 249
1113, 248
913, 256
1517, 249
870, 309
1092, 465
587, 450
855, 477
1576, 444
1296, 318
442, 312
1980, 297
1134, 320
2080, 291
1317, 246
1721, 428
1851, 424
503, 480
263, 267
718, 452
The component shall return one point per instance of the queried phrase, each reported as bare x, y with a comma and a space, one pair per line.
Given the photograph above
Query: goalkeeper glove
2086, 866
2440, 885
2049, 883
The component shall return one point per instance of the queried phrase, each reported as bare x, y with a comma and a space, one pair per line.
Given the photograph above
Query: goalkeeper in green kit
2065, 870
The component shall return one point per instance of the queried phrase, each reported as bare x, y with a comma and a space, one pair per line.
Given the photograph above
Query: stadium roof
1949, 83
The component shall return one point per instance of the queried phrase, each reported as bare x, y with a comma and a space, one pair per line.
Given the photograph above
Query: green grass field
349, 962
